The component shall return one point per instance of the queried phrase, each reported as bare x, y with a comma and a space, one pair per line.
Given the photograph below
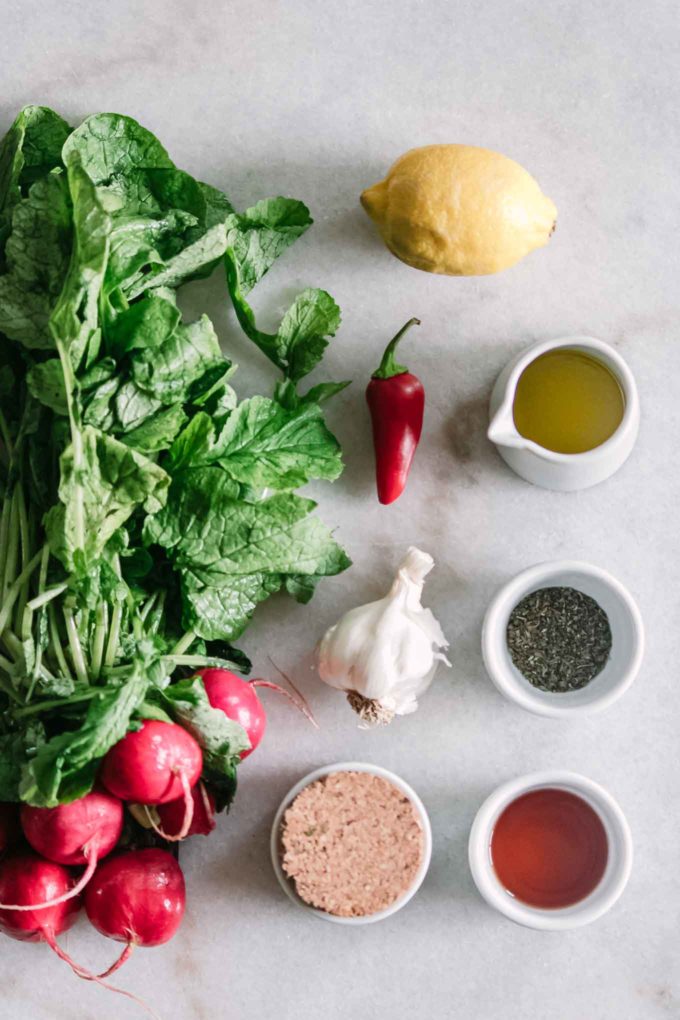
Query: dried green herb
559, 639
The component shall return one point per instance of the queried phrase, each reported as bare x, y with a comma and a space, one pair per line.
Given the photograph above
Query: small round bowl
352, 766
602, 898
627, 639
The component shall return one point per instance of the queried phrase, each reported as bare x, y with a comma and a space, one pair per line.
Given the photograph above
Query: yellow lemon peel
459, 210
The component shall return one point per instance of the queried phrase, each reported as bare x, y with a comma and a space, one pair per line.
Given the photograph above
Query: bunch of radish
132, 896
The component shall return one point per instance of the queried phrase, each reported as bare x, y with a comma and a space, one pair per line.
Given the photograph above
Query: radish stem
25, 556
98, 639
4, 532
148, 605
114, 634
12, 593
12, 643
6, 665
44, 706
12, 546
75, 646
46, 596
76, 444
55, 642
114, 630
184, 643
6, 438
9, 690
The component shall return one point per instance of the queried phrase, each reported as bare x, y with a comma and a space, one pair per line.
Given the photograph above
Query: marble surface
316, 100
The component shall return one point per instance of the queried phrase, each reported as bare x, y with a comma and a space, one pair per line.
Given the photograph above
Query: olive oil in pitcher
568, 401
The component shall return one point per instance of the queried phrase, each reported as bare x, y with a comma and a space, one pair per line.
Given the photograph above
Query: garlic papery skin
384, 655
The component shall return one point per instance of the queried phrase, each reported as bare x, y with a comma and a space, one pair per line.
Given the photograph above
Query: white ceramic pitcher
563, 471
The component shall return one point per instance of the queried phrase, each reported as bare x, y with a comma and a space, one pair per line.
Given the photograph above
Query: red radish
32, 883
238, 700
152, 765
9, 825
78, 833
71, 833
28, 879
171, 815
137, 897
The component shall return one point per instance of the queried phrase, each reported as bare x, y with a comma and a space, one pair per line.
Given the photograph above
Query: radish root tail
87, 975
92, 855
117, 964
297, 698
188, 813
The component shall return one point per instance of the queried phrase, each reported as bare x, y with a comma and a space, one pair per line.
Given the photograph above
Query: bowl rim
561, 919
352, 766
546, 703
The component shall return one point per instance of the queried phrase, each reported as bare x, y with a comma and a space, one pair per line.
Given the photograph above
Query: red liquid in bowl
549, 848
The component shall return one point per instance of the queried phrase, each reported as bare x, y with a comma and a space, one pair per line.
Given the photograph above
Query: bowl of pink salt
351, 843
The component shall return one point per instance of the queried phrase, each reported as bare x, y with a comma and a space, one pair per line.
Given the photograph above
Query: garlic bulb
384, 654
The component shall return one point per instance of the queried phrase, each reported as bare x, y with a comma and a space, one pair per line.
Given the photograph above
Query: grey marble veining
315, 100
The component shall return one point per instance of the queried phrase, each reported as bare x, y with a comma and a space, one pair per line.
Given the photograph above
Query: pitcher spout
502, 431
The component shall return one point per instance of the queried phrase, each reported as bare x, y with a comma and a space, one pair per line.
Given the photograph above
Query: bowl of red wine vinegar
551, 850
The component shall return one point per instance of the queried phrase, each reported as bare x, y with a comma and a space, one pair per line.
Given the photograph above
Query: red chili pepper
396, 400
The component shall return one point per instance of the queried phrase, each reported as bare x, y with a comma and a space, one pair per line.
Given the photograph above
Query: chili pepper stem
389, 367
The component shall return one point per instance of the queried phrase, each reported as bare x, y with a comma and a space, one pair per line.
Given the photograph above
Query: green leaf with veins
140, 243
156, 432
258, 236
221, 739
214, 536
263, 445
189, 504
117, 406
45, 381
118, 154
166, 372
286, 394
133, 406
102, 371
37, 254
140, 185
192, 261
16, 751
217, 205
303, 334
298, 345
189, 355
301, 586
98, 498
144, 325
45, 133
30, 149
223, 613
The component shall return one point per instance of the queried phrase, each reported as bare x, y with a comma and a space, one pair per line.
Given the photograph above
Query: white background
315, 100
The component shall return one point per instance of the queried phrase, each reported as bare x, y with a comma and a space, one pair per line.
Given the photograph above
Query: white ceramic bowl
627, 639
352, 766
617, 871
563, 471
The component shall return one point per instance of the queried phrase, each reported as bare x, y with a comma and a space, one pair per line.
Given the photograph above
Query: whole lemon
460, 210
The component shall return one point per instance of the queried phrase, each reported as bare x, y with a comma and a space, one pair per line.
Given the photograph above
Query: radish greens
145, 512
